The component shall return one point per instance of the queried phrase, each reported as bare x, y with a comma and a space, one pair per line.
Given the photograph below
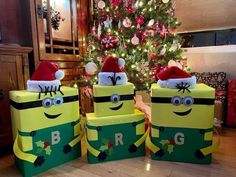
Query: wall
202, 15
197, 15
209, 59
15, 22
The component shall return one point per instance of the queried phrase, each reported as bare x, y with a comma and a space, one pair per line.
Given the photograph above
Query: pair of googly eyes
48, 102
187, 101
115, 98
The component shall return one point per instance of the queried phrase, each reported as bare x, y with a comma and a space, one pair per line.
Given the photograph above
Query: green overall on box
46, 129
182, 124
115, 137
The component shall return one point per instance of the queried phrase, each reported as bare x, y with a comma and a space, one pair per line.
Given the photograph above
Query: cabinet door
62, 27
8, 81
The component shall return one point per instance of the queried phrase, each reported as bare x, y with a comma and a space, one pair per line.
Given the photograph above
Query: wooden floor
224, 165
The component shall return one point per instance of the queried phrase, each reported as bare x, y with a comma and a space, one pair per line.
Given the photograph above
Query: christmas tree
142, 32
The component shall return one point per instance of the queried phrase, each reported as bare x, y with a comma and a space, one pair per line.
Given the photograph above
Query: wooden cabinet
59, 30
14, 72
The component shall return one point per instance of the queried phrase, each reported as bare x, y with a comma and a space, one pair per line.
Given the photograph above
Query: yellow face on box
113, 100
191, 108
34, 111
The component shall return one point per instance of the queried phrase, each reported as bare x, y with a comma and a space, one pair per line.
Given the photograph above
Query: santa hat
45, 78
111, 73
173, 77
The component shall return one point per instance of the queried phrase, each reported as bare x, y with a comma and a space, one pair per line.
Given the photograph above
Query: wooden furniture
15, 25
62, 40
14, 72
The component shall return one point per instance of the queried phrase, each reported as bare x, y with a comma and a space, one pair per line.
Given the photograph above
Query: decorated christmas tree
142, 32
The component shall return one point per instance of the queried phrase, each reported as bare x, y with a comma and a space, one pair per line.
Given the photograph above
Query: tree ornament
165, 1
99, 31
101, 4
115, 3
163, 50
140, 20
175, 45
108, 22
119, 24
94, 30
163, 31
151, 22
127, 22
131, 9
110, 42
91, 68
135, 40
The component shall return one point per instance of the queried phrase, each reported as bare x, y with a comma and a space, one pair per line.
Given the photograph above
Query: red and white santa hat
45, 78
174, 76
111, 73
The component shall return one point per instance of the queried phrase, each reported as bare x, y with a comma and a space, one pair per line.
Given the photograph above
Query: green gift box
46, 129
115, 137
182, 124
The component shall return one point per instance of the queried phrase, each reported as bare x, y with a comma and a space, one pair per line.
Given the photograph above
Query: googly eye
47, 103
115, 98
176, 101
188, 101
58, 101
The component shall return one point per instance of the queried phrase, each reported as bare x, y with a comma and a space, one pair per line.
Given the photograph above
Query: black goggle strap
200, 130
99, 128
33, 133
34, 104
108, 98
203, 101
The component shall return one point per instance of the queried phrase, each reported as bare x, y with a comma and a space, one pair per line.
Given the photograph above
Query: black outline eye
176, 101
47, 102
188, 101
115, 98
58, 100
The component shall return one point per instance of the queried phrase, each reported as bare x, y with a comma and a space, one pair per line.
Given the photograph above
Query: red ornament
115, 3
110, 42
131, 9
172, 142
46, 144
110, 145
140, 20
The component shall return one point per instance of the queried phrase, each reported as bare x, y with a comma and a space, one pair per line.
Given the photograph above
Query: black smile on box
183, 113
52, 116
117, 107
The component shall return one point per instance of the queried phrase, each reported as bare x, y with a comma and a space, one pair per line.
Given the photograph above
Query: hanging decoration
127, 22
115, 3
110, 42
101, 4
135, 40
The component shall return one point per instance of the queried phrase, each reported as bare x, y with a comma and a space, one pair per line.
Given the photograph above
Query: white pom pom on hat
121, 62
59, 75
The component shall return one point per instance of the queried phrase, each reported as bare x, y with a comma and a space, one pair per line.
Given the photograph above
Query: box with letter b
46, 125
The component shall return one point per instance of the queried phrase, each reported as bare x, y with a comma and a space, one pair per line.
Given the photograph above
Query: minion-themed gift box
45, 121
115, 130
182, 118
115, 137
